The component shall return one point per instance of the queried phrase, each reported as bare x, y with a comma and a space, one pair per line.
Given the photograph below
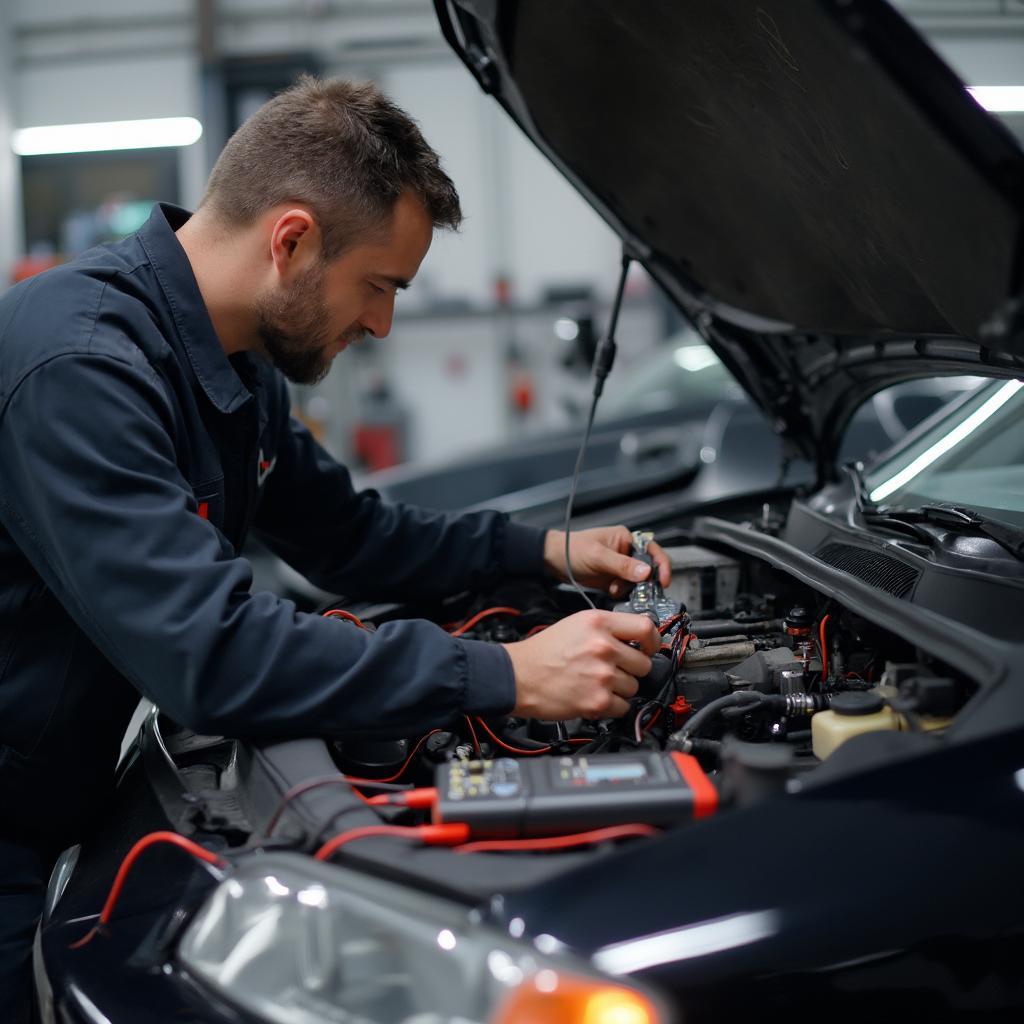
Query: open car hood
809, 182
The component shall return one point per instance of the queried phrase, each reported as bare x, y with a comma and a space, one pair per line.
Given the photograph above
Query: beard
293, 329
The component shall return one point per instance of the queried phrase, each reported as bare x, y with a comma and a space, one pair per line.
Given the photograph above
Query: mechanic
145, 430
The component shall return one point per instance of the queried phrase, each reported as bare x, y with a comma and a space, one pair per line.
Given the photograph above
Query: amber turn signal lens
552, 998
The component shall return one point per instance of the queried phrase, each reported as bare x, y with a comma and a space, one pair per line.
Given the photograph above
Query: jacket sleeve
356, 543
91, 492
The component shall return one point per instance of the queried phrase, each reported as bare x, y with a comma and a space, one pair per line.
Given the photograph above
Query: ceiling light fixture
100, 136
999, 99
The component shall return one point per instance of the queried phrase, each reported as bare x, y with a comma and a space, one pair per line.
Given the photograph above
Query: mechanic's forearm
155, 588
356, 543
404, 679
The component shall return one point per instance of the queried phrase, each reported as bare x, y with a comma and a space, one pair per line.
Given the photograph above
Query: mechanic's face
323, 308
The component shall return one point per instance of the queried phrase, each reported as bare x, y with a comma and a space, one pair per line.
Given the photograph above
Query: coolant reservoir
850, 714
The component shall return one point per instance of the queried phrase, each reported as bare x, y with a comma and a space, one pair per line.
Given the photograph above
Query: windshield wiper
860, 487
952, 517
899, 522
873, 515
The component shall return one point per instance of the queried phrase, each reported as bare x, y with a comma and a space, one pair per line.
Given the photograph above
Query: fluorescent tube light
999, 99
686, 943
951, 440
106, 135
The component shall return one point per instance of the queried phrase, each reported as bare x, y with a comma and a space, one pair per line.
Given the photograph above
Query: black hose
741, 698
711, 747
513, 739
713, 628
710, 678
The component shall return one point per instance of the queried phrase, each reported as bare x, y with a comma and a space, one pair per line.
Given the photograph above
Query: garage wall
77, 61
984, 60
982, 40
522, 219
10, 193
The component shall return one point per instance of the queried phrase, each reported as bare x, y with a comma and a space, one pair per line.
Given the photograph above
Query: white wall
10, 192
984, 60
79, 61
522, 219
451, 117
556, 237
121, 89
987, 53
449, 376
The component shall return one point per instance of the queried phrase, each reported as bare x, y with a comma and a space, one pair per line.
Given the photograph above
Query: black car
674, 418
814, 810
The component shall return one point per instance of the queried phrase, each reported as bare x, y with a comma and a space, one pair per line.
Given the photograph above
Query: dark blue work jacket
134, 459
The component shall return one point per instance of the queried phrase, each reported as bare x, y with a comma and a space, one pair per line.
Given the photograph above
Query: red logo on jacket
264, 467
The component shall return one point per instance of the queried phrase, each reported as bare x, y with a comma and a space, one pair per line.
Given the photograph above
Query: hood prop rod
604, 358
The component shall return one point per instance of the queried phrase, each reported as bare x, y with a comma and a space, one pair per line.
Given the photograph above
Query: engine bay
768, 686
759, 680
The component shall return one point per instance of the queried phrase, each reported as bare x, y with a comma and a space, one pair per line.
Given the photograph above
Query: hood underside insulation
765, 155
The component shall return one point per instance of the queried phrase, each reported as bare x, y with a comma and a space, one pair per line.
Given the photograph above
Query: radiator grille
881, 571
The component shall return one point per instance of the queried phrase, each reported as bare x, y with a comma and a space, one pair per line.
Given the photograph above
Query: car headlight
299, 942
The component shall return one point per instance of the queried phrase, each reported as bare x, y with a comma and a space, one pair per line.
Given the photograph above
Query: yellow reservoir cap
550, 997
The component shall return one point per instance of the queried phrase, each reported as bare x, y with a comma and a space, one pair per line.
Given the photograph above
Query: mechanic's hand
600, 558
583, 666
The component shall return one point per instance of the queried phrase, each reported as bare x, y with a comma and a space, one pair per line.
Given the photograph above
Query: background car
677, 418
660, 420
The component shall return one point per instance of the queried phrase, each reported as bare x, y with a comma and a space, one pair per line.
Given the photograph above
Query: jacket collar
213, 370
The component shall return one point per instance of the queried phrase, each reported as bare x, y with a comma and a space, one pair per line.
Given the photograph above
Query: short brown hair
341, 148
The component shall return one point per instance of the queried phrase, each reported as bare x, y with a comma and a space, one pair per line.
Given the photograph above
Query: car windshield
973, 456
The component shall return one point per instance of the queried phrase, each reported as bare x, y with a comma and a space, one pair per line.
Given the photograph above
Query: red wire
172, 838
418, 799
445, 834
336, 842
472, 732
650, 722
535, 630
311, 784
597, 835
527, 751
356, 780
824, 647
507, 746
470, 623
412, 753
340, 613
668, 624
352, 780
686, 643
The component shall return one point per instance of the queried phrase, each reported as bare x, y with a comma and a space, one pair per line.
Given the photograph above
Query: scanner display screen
614, 772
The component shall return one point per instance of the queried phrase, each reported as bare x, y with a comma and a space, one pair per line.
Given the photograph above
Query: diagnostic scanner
507, 797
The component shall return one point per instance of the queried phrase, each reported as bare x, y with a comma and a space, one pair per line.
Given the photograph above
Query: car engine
759, 678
